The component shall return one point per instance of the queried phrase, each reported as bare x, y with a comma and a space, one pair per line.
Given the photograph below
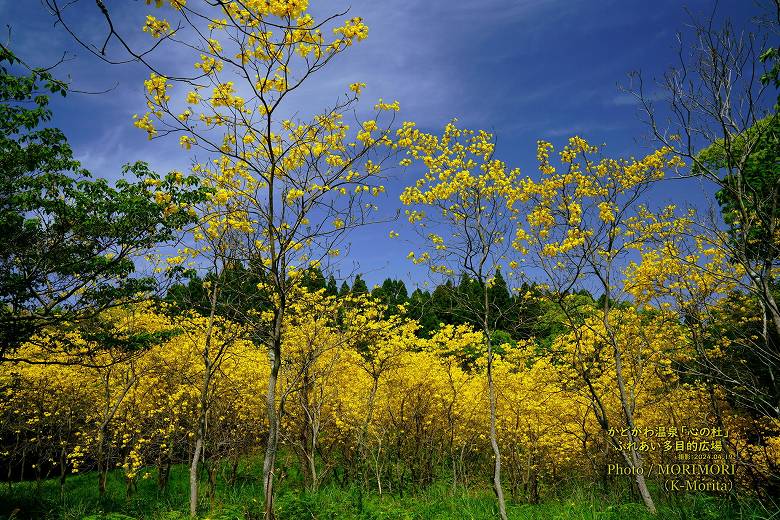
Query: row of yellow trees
364, 400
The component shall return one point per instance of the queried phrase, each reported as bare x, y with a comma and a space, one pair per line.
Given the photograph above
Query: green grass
243, 501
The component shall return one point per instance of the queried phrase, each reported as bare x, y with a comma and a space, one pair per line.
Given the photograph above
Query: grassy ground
242, 501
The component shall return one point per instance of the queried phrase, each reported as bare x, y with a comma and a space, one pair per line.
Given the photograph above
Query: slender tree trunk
494, 438
21, 467
199, 448
362, 442
102, 463
492, 395
377, 468
634, 458
770, 302
63, 470
109, 412
233, 471
772, 338
462, 467
309, 435
451, 427
273, 425
102, 477
315, 479
194, 477
164, 468
533, 487
208, 368
163, 474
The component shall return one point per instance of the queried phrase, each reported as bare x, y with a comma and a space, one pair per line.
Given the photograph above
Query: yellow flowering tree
691, 278
321, 332
458, 399
584, 220
290, 187
462, 207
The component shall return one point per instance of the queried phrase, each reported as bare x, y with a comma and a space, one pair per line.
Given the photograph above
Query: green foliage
751, 186
313, 279
69, 243
517, 315
392, 293
771, 57
420, 309
331, 289
359, 286
501, 301
735, 322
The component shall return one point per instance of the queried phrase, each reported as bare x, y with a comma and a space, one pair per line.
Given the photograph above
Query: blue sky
523, 69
